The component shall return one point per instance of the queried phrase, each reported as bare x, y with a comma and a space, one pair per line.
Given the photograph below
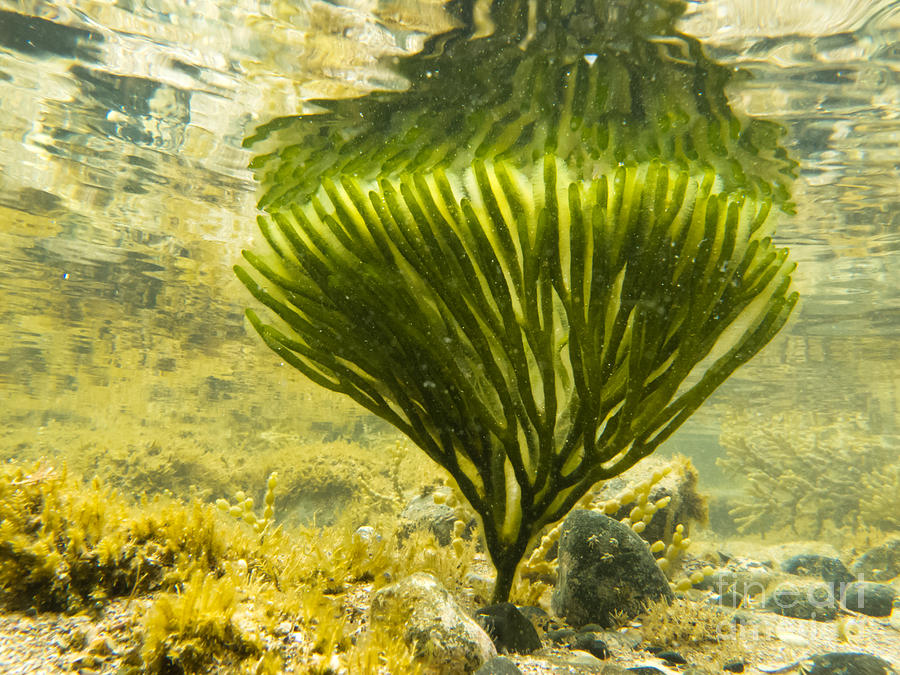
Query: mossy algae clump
202, 591
708, 635
539, 260
69, 546
66, 547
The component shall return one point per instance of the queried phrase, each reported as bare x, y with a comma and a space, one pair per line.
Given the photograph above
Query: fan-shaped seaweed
538, 261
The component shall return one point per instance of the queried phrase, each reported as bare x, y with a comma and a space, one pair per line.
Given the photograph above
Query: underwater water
126, 356
125, 199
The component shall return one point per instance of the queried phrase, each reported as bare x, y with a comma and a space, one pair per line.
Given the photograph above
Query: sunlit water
125, 200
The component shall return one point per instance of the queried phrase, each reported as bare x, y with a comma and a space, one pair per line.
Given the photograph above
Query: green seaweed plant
537, 261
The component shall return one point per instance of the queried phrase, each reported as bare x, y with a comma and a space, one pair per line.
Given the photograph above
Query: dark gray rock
881, 563
510, 630
734, 666
846, 663
590, 643
671, 657
604, 567
825, 567
422, 513
803, 599
499, 665
868, 597
538, 617
561, 635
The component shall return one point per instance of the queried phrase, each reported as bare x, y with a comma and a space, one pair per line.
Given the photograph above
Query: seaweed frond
537, 261
534, 333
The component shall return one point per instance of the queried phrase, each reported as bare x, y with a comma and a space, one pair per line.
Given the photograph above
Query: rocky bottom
750, 640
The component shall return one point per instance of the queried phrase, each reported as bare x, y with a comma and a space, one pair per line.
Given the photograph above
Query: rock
590, 643
510, 630
610, 669
670, 657
868, 597
369, 538
646, 670
433, 624
825, 567
499, 665
881, 563
803, 599
84, 662
735, 666
538, 618
423, 513
604, 567
594, 640
846, 663
560, 635
581, 659
102, 645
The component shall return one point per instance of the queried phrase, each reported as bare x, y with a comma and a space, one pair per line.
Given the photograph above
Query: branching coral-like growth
807, 474
538, 262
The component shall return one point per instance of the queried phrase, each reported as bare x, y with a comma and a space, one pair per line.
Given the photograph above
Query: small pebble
736, 666
792, 639
671, 657
582, 659
646, 670
592, 645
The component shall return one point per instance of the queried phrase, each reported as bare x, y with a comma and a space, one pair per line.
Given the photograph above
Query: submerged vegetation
539, 260
195, 588
811, 477
208, 590
318, 481
683, 625
65, 546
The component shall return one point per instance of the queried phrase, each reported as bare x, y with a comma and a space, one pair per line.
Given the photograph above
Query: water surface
125, 200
